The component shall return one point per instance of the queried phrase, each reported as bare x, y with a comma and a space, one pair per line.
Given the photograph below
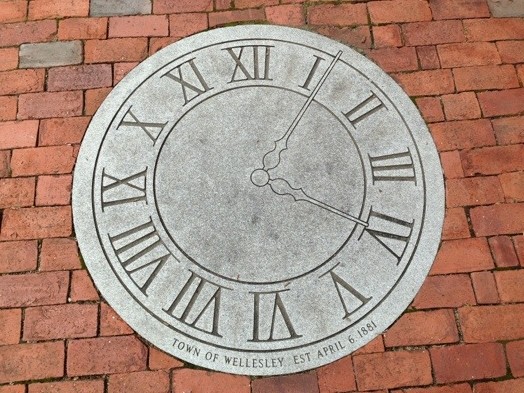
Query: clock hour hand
272, 158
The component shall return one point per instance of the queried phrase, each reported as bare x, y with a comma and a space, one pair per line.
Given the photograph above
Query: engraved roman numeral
197, 296
393, 167
151, 129
195, 83
257, 69
129, 189
312, 73
366, 108
351, 299
397, 235
279, 313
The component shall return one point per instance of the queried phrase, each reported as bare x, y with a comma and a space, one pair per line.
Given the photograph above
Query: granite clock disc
258, 200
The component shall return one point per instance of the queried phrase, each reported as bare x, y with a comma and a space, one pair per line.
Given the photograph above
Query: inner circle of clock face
223, 210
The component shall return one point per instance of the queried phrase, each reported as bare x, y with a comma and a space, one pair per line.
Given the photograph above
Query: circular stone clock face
258, 200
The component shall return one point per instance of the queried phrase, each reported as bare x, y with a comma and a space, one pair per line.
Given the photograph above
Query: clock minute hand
282, 187
272, 158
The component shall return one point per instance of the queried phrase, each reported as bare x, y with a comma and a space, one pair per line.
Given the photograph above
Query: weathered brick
503, 251
513, 186
62, 131
504, 102
181, 6
509, 386
11, 322
253, 3
14, 34
464, 255
450, 161
26, 362
34, 223
111, 324
20, 388
42, 160
94, 98
139, 382
432, 33
386, 36
138, 26
79, 77
485, 287
62, 321
462, 106
5, 158
493, 160
225, 17
519, 247
50, 9
59, 254
492, 323
21, 81
182, 25
509, 130
92, 356
428, 57
395, 59
157, 43
82, 287
13, 11
509, 284
494, 29
359, 36
8, 107
422, 328
50, 54
17, 192
485, 77
426, 83
337, 376
53, 190
515, 354
455, 224
122, 69
473, 191
82, 29
394, 11
8, 59
468, 362
286, 14
431, 108
445, 291
374, 346
45, 105
115, 50
85, 386
119, 7
304, 383
18, 256
392, 369
159, 360
337, 14
33, 289
468, 54
498, 219
459, 9
463, 134
16, 134
455, 388
511, 51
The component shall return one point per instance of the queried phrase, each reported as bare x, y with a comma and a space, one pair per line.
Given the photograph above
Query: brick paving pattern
461, 61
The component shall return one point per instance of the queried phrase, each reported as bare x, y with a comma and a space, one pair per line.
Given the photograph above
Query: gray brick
50, 54
120, 7
506, 8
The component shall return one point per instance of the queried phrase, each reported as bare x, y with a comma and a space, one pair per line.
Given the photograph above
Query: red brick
182, 25
388, 35
509, 130
186, 380
85, 386
509, 386
254, 3
392, 369
519, 247
498, 219
157, 43
455, 224
520, 72
485, 77
499, 103
53, 190
503, 251
16, 134
432, 33
102, 355
492, 323
122, 69
62, 131
451, 164
513, 186
79, 77
138, 26
28, 362
14, 34
494, 29
181, 6
298, 383
13, 11
33, 289
48, 9
473, 191
337, 376
485, 287
5, 158
468, 54
423, 328
18, 256
515, 353
42, 105
82, 29
21, 81
288, 14
8, 107
82, 287
225, 17
461, 106
159, 360
395, 59
493, 160
34, 223
337, 14
94, 99
464, 134
394, 11
223, 4
17, 192
8, 59
511, 51
445, 291
464, 255
63, 321
359, 36
59, 254
375, 345
139, 382
428, 57
115, 50
43, 160
11, 322
431, 108
425, 83
455, 388
459, 9
12, 388
509, 284
468, 362
111, 324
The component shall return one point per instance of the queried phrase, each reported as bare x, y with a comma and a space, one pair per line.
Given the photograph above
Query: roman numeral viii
255, 67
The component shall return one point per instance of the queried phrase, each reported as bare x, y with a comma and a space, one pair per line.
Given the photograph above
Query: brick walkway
465, 71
